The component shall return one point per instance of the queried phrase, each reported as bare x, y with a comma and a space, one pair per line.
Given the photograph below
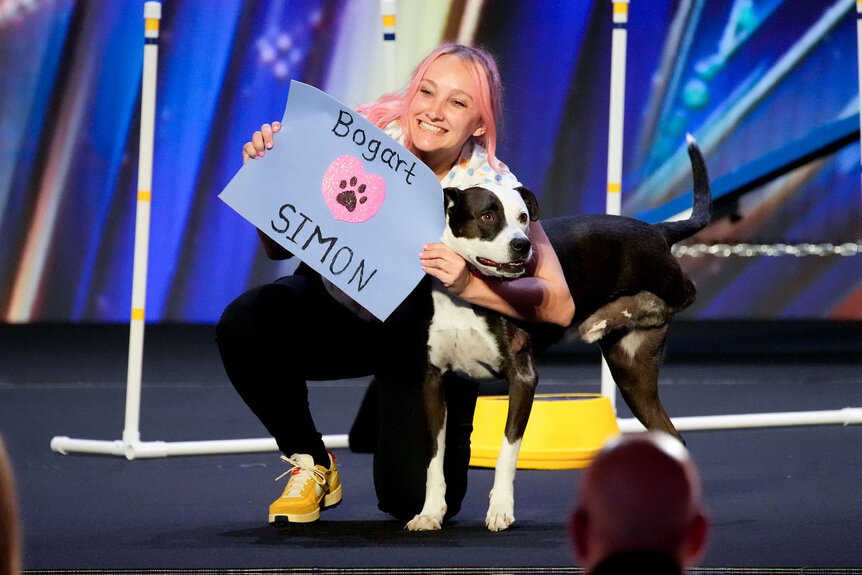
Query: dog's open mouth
508, 268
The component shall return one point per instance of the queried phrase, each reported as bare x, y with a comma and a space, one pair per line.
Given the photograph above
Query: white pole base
845, 416
154, 449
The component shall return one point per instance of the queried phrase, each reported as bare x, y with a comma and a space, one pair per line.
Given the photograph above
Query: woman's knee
234, 319
257, 314
251, 338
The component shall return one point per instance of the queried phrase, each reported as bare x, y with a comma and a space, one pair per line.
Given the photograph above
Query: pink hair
482, 66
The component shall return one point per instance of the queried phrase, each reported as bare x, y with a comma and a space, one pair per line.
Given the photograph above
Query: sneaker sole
294, 518
329, 501
332, 498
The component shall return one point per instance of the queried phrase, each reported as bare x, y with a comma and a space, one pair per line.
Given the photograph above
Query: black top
647, 562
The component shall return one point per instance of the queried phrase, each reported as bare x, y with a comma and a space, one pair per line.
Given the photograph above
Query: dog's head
488, 226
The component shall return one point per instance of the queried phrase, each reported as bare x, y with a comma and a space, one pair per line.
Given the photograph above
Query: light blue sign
345, 198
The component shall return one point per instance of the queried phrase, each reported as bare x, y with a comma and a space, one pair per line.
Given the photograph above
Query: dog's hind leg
522, 388
641, 310
633, 358
434, 507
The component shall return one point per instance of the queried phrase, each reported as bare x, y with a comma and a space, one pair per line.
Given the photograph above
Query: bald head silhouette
640, 494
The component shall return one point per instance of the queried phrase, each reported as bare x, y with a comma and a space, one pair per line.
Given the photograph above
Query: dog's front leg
501, 509
522, 389
431, 516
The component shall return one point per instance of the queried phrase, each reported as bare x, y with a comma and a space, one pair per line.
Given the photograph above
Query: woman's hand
541, 294
439, 261
260, 141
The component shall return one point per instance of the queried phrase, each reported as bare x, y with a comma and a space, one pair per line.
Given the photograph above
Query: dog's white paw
501, 513
499, 520
594, 332
425, 523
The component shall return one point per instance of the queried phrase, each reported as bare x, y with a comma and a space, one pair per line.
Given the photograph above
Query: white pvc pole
845, 416
152, 15
617, 108
469, 21
387, 10
151, 449
859, 54
615, 143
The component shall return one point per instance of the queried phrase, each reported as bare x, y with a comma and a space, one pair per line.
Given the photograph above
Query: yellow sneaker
310, 488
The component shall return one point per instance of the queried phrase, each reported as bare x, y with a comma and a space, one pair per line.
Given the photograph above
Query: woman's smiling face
443, 114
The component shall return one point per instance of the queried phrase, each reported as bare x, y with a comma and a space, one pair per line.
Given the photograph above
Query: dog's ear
451, 197
532, 204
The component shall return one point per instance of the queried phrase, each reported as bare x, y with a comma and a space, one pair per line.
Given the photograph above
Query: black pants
275, 337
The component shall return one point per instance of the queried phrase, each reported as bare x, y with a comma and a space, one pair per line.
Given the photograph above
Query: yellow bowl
565, 430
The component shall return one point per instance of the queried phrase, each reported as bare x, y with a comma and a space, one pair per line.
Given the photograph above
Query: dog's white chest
459, 340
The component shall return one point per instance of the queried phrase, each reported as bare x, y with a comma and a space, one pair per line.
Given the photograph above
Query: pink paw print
351, 194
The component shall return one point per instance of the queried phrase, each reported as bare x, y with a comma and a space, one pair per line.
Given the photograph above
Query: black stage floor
783, 499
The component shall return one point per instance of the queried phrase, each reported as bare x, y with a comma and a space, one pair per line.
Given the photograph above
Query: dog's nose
520, 246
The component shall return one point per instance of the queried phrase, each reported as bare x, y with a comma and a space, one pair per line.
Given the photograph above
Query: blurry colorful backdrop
746, 77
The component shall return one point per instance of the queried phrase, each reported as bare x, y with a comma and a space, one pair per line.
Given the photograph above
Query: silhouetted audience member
10, 551
639, 508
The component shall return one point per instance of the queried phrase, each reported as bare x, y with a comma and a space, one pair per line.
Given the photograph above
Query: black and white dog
626, 285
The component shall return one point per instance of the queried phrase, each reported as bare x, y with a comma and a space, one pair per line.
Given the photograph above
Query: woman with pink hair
275, 337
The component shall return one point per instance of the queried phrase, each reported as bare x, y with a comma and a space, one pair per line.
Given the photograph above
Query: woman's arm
540, 295
273, 249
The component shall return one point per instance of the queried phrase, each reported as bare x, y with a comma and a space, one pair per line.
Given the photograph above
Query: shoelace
305, 472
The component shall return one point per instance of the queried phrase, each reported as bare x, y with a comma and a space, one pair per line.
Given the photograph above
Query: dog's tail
701, 211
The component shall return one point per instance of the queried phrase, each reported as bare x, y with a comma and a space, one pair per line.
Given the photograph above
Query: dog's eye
487, 217
523, 218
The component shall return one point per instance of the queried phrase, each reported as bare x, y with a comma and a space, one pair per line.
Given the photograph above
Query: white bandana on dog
472, 167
